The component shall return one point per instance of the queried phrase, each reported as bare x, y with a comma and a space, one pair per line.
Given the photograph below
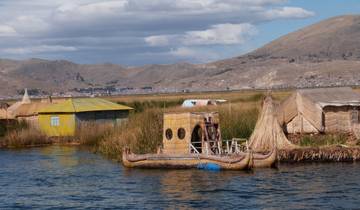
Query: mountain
324, 54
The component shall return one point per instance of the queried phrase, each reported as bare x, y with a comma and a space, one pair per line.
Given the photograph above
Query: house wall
311, 111
300, 125
66, 125
103, 116
175, 145
339, 119
188, 121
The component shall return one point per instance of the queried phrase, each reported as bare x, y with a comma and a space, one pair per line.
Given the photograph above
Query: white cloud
38, 49
221, 34
25, 25
159, 40
288, 12
6, 31
87, 12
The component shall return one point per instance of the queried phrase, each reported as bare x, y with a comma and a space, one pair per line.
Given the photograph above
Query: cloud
38, 49
161, 40
120, 29
288, 12
7, 31
29, 25
221, 34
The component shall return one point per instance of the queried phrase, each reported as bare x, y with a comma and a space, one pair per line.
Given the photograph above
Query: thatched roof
343, 96
310, 103
268, 132
26, 110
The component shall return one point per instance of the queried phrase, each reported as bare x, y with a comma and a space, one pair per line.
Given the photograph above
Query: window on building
54, 121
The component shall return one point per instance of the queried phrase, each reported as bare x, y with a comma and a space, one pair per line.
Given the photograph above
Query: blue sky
138, 32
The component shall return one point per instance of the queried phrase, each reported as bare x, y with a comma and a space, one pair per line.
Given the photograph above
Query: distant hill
323, 54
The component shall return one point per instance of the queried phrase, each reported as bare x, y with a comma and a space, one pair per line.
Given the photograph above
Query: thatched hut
191, 132
26, 110
320, 110
268, 133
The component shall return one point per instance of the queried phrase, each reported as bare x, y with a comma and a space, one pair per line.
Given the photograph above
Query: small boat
190, 140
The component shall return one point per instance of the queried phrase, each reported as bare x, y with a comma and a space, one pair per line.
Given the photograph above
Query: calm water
67, 177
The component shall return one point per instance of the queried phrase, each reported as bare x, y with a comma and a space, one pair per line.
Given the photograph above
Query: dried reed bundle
267, 132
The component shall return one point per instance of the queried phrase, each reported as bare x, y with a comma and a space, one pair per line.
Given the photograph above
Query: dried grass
24, 137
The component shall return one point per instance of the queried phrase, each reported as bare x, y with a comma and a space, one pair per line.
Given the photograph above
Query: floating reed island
333, 153
268, 133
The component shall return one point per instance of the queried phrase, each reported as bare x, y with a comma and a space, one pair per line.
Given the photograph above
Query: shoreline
333, 153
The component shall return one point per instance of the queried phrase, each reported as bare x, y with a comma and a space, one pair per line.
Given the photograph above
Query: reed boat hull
264, 161
186, 161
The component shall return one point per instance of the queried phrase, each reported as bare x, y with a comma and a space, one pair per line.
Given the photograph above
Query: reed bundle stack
267, 132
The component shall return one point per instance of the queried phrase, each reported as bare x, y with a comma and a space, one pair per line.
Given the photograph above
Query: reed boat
190, 140
200, 161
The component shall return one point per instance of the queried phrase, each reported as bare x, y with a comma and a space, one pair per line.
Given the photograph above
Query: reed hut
329, 110
268, 133
191, 132
26, 110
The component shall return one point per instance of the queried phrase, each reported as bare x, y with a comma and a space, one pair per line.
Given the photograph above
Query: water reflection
59, 156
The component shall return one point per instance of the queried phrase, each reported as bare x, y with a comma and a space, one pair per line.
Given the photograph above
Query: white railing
236, 145
193, 148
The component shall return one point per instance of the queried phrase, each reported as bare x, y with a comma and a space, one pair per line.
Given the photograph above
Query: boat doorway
196, 139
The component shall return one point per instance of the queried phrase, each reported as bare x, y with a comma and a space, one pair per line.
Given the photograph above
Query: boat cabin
192, 132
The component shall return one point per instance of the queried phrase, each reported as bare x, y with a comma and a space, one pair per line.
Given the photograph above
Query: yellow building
64, 118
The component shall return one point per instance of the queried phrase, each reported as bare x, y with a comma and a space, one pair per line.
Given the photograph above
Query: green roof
74, 105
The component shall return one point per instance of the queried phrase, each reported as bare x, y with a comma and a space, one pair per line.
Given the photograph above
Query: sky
139, 32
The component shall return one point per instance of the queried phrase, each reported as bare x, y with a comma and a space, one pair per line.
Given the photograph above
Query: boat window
181, 133
168, 134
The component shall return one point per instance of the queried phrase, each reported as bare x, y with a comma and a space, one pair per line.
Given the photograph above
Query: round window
168, 134
181, 133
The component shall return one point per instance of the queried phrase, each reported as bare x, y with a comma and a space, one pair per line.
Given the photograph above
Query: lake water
67, 177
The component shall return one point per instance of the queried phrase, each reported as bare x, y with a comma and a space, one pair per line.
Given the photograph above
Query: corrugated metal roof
332, 96
74, 105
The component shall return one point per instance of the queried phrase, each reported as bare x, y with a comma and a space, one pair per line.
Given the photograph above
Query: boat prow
265, 160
